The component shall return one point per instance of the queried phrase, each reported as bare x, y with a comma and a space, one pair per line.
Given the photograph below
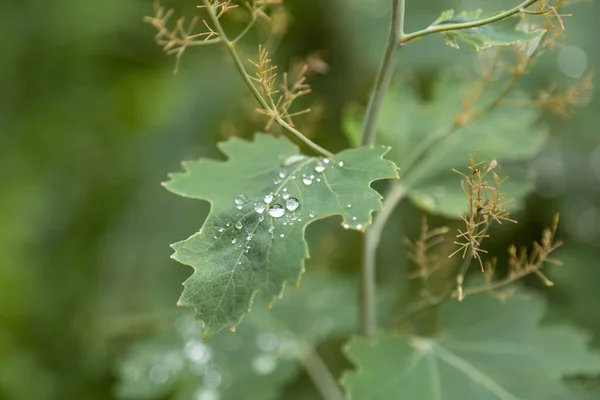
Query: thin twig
242, 70
465, 25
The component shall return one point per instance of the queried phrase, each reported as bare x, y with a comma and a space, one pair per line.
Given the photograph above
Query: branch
242, 70
465, 25
384, 75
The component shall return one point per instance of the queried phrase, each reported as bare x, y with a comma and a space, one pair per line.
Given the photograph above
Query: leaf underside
250, 243
500, 33
488, 350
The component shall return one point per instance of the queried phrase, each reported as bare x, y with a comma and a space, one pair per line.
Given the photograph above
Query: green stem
465, 25
368, 314
242, 70
320, 374
384, 75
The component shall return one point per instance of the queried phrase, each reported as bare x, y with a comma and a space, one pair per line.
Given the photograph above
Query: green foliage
253, 363
408, 123
262, 199
487, 349
500, 33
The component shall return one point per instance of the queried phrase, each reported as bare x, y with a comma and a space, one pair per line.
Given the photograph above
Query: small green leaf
505, 133
262, 199
500, 33
488, 350
255, 362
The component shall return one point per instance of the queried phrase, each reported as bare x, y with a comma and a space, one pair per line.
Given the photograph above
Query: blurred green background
92, 119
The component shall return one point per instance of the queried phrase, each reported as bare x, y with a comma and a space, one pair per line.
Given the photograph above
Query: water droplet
238, 225
239, 207
293, 159
282, 174
349, 205
215, 237
284, 189
221, 229
299, 219
346, 226
292, 204
239, 263
318, 179
307, 181
259, 208
233, 241
341, 163
312, 177
277, 211
359, 226
277, 181
250, 236
264, 364
319, 168
286, 196
293, 176
269, 198
285, 223
241, 200
228, 225
353, 218
271, 229
312, 214
326, 160
282, 235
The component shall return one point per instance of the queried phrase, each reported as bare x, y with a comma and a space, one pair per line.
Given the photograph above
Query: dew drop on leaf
286, 196
353, 218
319, 168
292, 204
241, 200
282, 235
259, 208
233, 241
221, 229
312, 214
277, 211
282, 174
271, 229
307, 181
238, 225
359, 226
293, 159
269, 198
326, 160
341, 163
346, 226
349, 205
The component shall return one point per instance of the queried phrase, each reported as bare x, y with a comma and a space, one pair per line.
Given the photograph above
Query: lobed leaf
488, 350
504, 32
262, 198
506, 133
256, 362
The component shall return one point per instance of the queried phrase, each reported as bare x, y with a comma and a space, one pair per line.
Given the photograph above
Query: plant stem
320, 374
242, 70
465, 25
368, 309
384, 75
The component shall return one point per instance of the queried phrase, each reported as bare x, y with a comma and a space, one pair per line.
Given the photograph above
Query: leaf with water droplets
255, 362
488, 349
500, 33
426, 146
274, 215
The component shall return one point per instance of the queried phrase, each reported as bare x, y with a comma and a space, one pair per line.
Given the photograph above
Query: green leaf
505, 133
262, 199
500, 33
488, 350
255, 362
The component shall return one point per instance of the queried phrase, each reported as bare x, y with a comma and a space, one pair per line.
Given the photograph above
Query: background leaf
262, 199
500, 33
253, 363
488, 349
407, 122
